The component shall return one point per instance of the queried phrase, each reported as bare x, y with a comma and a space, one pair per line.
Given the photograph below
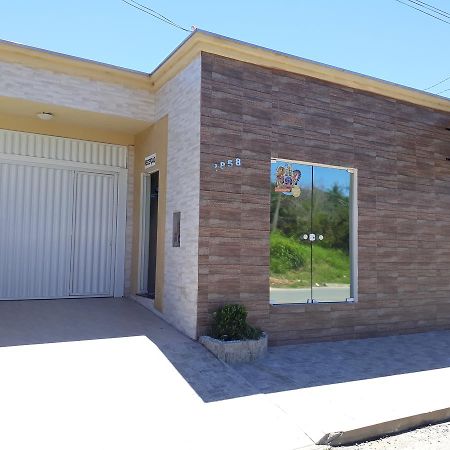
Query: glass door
310, 215
331, 226
290, 221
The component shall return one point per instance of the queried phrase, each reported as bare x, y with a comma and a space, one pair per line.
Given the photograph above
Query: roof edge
205, 41
72, 65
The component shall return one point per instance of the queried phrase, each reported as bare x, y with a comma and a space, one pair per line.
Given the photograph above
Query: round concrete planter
236, 351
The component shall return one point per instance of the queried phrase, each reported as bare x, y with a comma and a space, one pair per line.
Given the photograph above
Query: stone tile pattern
290, 367
180, 99
399, 150
41, 85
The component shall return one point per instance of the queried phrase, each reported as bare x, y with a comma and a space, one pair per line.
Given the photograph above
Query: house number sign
228, 164
150, 161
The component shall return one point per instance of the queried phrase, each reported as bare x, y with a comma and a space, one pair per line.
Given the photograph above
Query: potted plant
232, 339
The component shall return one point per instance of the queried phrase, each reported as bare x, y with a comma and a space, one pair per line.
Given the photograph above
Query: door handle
312, 237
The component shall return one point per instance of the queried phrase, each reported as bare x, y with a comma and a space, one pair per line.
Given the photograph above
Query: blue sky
381, 38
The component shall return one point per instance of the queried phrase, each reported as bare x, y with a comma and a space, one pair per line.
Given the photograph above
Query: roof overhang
71, 65
203, 41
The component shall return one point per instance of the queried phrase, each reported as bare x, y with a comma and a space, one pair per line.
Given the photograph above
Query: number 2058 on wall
229, 163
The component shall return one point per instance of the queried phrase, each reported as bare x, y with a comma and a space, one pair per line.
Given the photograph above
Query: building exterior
317, 197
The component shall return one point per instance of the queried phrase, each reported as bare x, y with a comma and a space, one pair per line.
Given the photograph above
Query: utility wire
160, 16
154, 13
422, 11
441, 92
437, 84
431, 8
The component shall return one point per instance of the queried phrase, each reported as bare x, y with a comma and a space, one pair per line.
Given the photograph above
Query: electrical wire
431, 8
164, 18
441, 92
154, 13
437, 84
422, 11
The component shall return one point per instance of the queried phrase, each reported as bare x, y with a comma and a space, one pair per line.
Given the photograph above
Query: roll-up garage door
58, 217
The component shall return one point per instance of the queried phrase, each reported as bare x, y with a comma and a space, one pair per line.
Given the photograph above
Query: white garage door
61, 231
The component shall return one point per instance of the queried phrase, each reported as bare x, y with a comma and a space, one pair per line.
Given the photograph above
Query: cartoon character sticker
287, 179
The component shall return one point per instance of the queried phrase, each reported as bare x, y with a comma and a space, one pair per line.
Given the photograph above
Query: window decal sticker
287, 180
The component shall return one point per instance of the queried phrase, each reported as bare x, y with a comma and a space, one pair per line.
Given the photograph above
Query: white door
36, 206
94, 234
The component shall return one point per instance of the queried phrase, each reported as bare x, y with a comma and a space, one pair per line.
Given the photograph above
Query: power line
422, 11
160, 16
432, 8
441, 92
437, 84
154, 13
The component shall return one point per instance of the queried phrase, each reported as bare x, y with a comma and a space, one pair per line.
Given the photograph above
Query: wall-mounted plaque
150, 161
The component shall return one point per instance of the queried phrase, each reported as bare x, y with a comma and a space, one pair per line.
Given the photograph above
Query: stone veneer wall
41, 85
399, 150
179, 98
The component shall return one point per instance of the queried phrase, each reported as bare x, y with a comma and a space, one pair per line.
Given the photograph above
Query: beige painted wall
67, 130
152, 140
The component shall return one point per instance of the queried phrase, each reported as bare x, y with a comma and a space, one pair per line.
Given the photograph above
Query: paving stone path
308, 365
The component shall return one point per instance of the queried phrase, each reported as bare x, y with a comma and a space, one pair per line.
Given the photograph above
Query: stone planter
236, 351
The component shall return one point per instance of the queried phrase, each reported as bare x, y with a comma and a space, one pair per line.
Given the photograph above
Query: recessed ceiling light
45, 115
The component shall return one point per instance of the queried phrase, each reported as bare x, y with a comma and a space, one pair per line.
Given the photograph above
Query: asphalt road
301, 295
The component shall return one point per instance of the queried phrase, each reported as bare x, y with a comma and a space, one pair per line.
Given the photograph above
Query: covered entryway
62, 217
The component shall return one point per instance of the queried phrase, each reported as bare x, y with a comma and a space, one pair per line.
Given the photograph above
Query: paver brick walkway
325, 363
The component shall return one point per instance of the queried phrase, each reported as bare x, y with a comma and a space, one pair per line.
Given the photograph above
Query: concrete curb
383, 429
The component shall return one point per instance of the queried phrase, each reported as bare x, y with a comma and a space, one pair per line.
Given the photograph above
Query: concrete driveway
109, 374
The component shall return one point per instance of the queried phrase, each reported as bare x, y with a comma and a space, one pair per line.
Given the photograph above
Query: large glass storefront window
311, 247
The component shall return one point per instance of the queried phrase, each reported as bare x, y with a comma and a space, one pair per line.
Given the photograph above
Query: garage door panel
60, 220
35, 237
94, 234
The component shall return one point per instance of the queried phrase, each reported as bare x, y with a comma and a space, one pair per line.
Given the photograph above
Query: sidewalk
109, 374
342, 392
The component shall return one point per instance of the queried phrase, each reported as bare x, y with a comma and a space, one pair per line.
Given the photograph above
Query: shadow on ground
285, 368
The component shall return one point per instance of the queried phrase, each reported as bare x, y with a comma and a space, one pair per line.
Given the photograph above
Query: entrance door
93, 234
153, 234
310, 256
149, 236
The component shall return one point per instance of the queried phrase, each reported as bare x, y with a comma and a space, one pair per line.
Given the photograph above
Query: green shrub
286, 254
230, 324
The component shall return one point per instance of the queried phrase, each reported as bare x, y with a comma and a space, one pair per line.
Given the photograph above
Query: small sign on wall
150, 161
